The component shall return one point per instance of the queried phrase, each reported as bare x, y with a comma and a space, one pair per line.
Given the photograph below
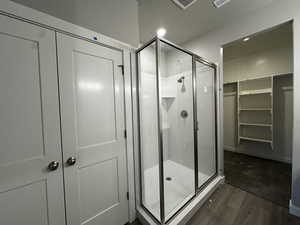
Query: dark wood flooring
232, 206
257, 192
267, 179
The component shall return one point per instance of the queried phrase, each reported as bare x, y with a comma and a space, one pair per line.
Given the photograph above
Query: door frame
293, 209
35, 17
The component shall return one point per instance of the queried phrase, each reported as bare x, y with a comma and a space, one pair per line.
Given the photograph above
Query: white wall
180, 132
264, 63
209, 46
114, 18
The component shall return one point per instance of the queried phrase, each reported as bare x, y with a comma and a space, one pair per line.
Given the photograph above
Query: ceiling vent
220, 3
184, 4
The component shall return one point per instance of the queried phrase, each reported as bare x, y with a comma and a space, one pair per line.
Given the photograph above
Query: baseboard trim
294, 210
229, 148
279, 159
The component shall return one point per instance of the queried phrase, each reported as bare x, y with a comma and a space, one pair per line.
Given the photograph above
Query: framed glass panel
149, 130
177, 127
206, 120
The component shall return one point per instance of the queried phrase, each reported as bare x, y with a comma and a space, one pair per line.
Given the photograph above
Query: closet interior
258, 108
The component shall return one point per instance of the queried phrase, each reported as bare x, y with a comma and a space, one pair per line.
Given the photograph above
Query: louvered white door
30, 192
92, 115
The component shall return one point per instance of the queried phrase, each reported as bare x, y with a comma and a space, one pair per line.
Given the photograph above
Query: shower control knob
184, 114
71, 161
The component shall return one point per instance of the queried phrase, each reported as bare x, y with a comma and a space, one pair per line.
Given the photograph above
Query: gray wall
259, 64
283, 115
114, 18
283, 127
210, 45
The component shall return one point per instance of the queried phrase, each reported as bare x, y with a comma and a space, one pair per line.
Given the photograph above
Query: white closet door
30, 193
92, 114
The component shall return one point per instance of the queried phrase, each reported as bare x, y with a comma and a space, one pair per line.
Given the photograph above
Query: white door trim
33, 16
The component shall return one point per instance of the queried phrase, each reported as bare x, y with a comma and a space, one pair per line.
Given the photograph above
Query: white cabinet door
92, 117
30, 194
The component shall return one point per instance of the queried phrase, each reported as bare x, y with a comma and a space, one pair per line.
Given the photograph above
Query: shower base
178, 187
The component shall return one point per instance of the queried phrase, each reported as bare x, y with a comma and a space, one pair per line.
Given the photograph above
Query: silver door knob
71, 161
53, 165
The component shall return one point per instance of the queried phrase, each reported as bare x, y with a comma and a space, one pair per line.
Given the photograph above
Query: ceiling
198, 19
280, 36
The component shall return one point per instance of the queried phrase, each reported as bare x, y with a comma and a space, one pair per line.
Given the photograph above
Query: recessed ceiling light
246, 39
161, 32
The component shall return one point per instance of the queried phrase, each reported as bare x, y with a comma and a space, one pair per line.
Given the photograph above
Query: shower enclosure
177, 127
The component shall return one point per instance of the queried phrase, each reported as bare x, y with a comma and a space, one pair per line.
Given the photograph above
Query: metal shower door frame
195, 58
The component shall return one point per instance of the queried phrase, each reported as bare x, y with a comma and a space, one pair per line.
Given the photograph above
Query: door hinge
127, 195
122, 68
125, 133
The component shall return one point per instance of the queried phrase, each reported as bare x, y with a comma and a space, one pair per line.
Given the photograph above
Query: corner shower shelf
256, 139
257, 92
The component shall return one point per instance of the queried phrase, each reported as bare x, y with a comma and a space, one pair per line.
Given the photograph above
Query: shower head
180, 80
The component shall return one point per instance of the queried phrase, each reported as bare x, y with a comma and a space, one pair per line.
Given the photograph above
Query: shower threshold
183, 216
179, 187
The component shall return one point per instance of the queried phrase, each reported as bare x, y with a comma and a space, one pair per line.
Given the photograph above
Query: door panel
35, 194
94, 91
29, 132
92, 113
16, 89
91, 181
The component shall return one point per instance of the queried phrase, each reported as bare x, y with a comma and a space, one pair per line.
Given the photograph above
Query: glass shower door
177, 127
149, 131
206, 121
